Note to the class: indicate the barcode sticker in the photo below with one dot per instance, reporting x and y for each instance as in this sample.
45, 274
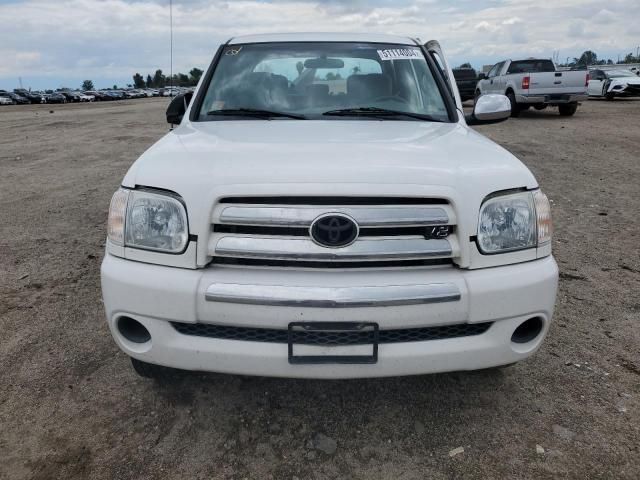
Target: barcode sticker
399, 54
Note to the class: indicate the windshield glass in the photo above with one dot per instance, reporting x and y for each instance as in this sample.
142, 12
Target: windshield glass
312, 78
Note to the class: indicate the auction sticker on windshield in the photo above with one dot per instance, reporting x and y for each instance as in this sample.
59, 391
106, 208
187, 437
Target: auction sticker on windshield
399, 54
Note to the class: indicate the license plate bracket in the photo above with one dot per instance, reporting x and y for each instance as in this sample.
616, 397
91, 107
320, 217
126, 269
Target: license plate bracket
297, 331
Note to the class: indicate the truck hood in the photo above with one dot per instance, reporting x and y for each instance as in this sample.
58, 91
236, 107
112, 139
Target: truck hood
198, 157
625, 81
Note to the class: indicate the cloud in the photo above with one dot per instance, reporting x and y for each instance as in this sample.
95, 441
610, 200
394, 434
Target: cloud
604, 17
48, 42
512, 21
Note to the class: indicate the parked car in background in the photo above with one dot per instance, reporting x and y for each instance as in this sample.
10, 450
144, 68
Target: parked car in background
55, 97
18, 99
535, 83
33, 97
399, 242
98, 95
170, 91
117, 94
466, 80
70, 96
86, 97
5, 99
613, 83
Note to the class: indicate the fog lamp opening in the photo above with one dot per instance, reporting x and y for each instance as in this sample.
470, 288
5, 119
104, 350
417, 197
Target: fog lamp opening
528, 330
133, 330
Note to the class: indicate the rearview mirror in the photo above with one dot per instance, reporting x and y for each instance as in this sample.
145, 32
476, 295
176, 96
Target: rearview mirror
178, 107
489, 108
323, 63
481, 76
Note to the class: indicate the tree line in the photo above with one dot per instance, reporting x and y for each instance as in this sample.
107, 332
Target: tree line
160, 80
590, 57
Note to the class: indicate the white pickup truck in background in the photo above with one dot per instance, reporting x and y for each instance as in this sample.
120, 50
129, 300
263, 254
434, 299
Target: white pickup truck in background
535, 83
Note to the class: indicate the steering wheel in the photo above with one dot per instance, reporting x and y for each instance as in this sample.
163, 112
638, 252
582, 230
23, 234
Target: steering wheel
391, 97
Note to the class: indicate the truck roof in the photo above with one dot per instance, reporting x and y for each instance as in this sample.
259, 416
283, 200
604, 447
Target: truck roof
322, 37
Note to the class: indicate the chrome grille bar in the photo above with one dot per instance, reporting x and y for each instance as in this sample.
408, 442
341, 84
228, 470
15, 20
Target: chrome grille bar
332, 297
287, 248
304, 216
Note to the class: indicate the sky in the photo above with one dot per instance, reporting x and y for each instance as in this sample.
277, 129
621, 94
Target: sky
56, 43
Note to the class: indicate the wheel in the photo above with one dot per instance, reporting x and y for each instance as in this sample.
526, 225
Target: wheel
609, 96
568, 110
149, 370
515, 109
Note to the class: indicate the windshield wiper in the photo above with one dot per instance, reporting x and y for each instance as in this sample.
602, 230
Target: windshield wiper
254, 112
378, 112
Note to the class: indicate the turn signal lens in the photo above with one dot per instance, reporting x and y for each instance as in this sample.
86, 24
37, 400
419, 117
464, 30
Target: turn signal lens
543, 214
117, 212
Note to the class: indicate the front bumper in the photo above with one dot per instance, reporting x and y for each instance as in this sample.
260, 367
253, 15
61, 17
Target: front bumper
156, 295
552, 99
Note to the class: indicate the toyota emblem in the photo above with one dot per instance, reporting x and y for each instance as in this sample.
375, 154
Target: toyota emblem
334, 230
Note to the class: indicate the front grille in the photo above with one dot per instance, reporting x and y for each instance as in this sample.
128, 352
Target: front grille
331, 338
319, 200
426, 232
255, 262
392, 231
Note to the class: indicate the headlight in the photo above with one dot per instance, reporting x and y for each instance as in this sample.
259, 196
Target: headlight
146, 220
514, 222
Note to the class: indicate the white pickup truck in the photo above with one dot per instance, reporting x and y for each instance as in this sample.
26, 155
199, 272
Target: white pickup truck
535, 83
323, 210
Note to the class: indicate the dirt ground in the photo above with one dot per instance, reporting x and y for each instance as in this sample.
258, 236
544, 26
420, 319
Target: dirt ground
72, 407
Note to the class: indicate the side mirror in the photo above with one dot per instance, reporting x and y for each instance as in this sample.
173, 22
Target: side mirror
481, 76
489, 108
178, 107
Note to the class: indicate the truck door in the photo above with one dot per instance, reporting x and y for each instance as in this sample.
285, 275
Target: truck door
500, 82
596, 83
492, 79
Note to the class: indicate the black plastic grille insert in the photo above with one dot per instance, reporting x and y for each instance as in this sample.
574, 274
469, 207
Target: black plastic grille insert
316, 337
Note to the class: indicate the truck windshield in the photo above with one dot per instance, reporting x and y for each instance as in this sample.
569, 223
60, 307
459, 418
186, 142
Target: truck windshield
314, 80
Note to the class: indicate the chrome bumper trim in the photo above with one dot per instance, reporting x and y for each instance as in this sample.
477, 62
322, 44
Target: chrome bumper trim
304, 216
332, 297
305, 249
577, 97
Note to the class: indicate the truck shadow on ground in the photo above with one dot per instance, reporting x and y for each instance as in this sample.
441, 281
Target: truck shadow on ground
381, 418
353, 402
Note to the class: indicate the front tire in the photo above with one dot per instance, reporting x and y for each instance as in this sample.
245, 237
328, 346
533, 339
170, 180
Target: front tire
568, 110
515, 109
